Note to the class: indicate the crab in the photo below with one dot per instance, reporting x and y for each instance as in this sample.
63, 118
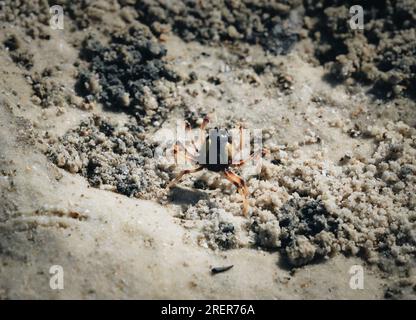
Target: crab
216, 157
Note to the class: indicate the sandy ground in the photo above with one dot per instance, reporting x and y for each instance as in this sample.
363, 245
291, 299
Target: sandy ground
116, 247
155, 244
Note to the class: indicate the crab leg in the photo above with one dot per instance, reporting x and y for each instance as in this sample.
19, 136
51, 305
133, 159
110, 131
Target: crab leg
188, 155
241, 187
240, 150
202, 132
189, 133
181, 174
251, 157
238, 154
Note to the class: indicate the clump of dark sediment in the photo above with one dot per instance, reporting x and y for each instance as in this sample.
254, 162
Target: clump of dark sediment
32, 16
382, 55
271, 24
110, 156
21, 56
278, 74
307, 231
129, 75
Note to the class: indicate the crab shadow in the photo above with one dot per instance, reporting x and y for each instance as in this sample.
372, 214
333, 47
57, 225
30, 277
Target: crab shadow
284, 263
185, 197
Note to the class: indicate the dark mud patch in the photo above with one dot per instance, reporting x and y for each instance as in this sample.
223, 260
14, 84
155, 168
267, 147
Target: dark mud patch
383, 55
109, 156
32, 16
19, 52
129, 75
304, 232
271, 24
307, 231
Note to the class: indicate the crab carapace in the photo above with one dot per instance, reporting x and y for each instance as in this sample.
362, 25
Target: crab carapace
214, 152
